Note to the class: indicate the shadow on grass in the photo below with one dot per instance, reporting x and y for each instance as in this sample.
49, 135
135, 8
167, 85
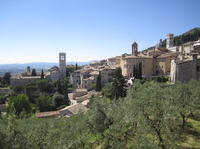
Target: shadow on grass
188, 131
181, 147
193, 132
196, 117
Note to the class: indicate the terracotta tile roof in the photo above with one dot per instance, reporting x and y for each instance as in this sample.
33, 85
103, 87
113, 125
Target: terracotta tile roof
171, 54
54, 68
74, 109
138, 57
47, 114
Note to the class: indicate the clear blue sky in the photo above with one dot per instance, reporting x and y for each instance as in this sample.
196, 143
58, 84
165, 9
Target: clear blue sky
36, 30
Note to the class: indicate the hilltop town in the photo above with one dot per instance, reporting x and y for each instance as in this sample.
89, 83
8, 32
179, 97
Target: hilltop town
169, 62
99, 74
159, 61
154, 85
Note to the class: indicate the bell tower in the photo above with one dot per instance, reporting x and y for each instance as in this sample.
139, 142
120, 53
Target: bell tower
62, 65
170, 41
134, 49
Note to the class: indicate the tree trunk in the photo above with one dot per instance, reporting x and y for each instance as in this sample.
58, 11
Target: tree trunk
160, 139
183, 121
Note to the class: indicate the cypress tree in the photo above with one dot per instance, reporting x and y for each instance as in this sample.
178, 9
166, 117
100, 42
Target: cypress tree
65, 92
42, 74
134, 71
98, 82
140, 71
6, 78
59, 87
33, 73
76, 66
137, 71
119, 84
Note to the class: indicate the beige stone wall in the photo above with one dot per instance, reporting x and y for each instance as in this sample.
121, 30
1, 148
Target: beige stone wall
163, 66
147, 67
55, 75
127, 65
122, 66
75, 78
106, 76
187, 48
88, 83
185, 71
79, 93
173, 71
23, 81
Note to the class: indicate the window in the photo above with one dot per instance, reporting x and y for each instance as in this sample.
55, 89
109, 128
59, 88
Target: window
198, 68
62, 57
157, 72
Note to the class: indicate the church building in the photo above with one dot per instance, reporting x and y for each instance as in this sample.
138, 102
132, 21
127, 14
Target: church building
55, 73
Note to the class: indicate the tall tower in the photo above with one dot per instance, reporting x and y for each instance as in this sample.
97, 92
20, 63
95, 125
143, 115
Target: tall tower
134, 49
170, 40
62, 65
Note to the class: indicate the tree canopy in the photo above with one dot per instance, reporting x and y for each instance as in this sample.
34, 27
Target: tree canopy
19, 104
33, 73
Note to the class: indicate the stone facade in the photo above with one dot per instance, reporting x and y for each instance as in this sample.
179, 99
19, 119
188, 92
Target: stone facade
20, 80
87, 76
62, 65
134, 49
106, 75
128, 63
170, 40
156, 62
75, 78
163, 63
55, 73
185, 70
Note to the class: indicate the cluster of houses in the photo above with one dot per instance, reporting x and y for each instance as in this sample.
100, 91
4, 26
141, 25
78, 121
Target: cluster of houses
179, 63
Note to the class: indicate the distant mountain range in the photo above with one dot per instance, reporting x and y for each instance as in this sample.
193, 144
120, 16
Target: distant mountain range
44, 65
18, 68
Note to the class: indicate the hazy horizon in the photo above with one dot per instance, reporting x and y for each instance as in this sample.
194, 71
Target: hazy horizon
46, 62
36, 31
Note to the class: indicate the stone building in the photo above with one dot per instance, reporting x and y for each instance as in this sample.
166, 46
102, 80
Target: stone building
87, 76
106, 75
114, 61
186, 69
155, 62
62, 65
170, 41
55, 73
134, 49
163, 63
75, 78
186, 65
130, 62
19, 80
